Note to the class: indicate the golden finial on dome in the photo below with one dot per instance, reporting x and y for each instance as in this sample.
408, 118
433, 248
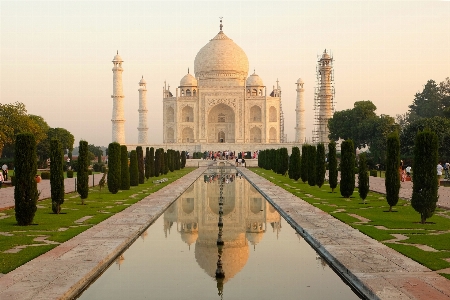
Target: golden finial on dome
221, 26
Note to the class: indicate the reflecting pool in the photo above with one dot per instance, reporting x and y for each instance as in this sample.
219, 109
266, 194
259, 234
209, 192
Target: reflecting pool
178, 256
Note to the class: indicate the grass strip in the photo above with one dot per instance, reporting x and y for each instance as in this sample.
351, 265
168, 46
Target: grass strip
381, 224
100, 205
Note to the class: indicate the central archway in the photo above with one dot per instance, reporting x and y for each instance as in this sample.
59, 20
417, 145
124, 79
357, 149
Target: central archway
221, 124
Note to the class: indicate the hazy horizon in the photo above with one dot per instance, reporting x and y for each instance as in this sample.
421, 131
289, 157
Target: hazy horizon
56, 56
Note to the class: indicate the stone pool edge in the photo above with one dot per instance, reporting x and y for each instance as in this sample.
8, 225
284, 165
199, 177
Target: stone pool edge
65, 271
373, 269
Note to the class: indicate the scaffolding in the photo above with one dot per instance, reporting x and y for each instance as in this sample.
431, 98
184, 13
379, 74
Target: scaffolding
324, 95
282, 136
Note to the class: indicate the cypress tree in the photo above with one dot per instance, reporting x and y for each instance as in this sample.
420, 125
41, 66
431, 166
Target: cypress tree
283, 161
25, 190
166, 163
140, 161
425, 185
347, 184
183, 159
171, 159
56, 175
320, 165
115, 167
157, 162
162, 161
363, 177
178, 160
332, 165
147, 163
312, 165
152, 162
392, 180
294, 164
272, 160
134, 169
83, 171
124, 168
304, 163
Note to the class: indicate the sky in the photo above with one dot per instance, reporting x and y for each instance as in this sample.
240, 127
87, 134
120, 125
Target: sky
55, 56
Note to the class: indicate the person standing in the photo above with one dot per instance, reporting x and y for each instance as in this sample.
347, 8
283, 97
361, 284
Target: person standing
1, 179
439, 169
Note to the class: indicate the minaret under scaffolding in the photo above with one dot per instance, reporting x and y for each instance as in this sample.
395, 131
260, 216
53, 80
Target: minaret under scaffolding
323, 98
118, 119
300, 113
143, 129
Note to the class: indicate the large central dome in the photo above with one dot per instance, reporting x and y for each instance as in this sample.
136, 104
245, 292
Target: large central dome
221, 58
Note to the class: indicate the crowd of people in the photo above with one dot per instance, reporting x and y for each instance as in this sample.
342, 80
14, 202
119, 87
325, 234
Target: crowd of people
228, 178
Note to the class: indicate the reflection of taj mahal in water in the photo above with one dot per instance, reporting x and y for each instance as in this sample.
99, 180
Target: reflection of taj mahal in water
246, 217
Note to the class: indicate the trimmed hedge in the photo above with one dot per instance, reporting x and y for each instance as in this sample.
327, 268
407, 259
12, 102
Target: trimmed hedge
347, 185
25, 191
83, 171
45, 174
320, 165
124, 169
134, 169
56, 175
140, 161
392, 180
115, 167
69, 174
332, 165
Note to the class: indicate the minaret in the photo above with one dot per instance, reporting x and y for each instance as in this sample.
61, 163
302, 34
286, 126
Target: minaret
325, 97
142, 136
118, 120
300, 113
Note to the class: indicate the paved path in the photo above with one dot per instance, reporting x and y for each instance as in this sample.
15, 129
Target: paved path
64, 271
7, 194
377, 270
377, 185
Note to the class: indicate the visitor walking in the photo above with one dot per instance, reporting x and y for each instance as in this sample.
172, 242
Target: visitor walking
446, 166
439, 169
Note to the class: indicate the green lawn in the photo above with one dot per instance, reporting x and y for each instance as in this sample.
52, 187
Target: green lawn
382, 224
60, 228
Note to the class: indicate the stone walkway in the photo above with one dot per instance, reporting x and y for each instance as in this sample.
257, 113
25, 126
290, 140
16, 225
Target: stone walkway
377, 185
7, 194
64, 271
373, 268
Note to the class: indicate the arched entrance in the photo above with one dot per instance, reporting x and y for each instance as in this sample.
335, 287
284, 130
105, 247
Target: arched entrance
221, 137
221, 124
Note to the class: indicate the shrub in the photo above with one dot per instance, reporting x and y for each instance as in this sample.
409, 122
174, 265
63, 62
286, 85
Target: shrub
157, 162
178, 160
98, 166
152, 162
56, 175
294, 164
347, 185
134, 169
45, 175
166, 163
332, 165
311, 165
147, 163
124, 169
283, 161
320, 165
114, 167
140, 161
373, 173
83, 172
425, 185
171, 159
104, 169
69, 174
304, 163
363, 177
183, 159
25, 191
90, 172
392, 180
13, 180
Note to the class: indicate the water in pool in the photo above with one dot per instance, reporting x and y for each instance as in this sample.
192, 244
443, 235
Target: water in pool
177, 256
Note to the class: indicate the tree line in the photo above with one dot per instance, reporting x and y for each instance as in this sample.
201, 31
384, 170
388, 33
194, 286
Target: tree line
311, 163
122, 173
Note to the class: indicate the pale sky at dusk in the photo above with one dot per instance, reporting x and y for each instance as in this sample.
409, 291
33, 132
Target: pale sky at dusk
56, 55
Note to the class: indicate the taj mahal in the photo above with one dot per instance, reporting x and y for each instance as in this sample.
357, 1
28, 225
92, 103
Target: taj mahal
220, 106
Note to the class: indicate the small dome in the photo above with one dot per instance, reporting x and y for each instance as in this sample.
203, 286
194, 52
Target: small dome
325, 55
189, 237
254, 80
254, 237
188, 80
142, 81
117, 58
300, 80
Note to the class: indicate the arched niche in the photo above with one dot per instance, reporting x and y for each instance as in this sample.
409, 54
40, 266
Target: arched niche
187, 135
187, 114
255, 135
255, 114
170, 114
221, 118
272, 114
170, 137
272, 135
